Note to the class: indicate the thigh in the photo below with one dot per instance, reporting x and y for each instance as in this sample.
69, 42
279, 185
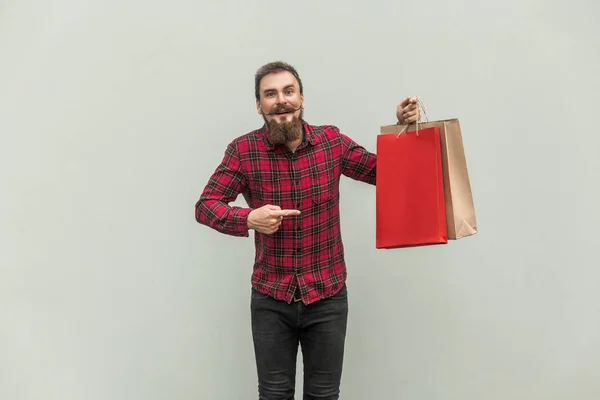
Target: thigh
322, 336
275, 346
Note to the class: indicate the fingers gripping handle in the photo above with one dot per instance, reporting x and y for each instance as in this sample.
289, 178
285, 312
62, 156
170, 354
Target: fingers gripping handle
422, 106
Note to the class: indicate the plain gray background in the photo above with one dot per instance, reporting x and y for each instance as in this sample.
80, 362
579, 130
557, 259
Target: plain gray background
113, 114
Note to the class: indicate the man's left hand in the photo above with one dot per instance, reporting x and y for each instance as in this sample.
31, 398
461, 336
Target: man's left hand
408, 111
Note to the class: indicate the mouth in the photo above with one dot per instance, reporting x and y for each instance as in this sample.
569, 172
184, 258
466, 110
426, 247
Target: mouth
282, 112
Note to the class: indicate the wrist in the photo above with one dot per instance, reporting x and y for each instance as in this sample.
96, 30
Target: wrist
249, 223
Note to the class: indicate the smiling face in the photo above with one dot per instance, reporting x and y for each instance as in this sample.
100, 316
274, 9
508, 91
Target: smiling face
280, 98
281, 104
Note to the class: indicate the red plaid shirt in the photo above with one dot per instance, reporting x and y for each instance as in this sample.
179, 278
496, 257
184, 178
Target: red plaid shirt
307, 250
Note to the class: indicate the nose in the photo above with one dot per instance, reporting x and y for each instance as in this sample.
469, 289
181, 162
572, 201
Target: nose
281, 98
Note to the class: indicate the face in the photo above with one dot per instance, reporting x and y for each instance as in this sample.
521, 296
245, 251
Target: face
279, 95
281, 106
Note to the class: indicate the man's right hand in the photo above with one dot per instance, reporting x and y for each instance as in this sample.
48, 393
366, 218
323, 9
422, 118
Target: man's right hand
267, 219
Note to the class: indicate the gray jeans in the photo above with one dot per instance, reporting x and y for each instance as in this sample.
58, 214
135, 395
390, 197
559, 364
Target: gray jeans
320, 329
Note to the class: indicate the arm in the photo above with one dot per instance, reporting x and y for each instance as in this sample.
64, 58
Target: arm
357, 162
360, 164
223, 187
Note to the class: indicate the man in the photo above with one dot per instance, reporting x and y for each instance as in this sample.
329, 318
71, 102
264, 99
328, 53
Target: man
288, 172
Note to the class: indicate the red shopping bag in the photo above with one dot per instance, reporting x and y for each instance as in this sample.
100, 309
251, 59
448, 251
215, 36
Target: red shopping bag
410, 206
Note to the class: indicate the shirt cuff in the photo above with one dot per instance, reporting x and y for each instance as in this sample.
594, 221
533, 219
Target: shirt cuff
240, 220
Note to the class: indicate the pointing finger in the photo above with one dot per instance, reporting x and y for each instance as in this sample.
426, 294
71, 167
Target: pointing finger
285, 212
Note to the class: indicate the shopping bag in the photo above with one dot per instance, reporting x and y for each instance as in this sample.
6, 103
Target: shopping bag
460, 210
410, 205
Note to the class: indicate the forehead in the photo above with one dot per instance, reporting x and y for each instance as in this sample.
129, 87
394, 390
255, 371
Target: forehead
278, 81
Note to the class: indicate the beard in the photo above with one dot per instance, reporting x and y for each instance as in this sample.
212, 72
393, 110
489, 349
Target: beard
284, 131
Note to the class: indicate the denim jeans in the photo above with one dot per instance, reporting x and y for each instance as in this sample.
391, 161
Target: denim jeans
320, 329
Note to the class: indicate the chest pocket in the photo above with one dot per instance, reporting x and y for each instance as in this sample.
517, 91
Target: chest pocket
266, 187
323, 182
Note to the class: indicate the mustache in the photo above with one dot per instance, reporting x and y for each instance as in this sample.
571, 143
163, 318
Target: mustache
283, 109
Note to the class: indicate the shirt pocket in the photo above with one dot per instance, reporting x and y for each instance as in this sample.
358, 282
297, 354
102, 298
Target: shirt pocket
323, 183
265, 188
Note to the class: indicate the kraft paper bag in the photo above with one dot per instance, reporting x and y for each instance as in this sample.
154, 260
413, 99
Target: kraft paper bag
460, 210
410, 206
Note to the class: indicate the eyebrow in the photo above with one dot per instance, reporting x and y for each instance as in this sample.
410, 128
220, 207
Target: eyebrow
291, 85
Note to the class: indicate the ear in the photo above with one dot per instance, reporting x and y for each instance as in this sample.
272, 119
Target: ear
258, 106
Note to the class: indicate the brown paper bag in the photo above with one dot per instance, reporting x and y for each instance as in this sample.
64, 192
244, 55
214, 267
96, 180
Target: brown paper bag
460, 210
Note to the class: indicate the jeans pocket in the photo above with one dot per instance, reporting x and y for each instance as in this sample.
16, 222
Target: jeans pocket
256, 295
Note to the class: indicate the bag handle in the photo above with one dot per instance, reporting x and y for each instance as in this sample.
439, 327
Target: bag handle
419, 103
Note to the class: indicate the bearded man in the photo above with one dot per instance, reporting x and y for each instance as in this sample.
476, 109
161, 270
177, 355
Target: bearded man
288, 172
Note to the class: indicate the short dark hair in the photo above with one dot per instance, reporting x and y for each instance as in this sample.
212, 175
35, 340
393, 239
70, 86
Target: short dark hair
273, 67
